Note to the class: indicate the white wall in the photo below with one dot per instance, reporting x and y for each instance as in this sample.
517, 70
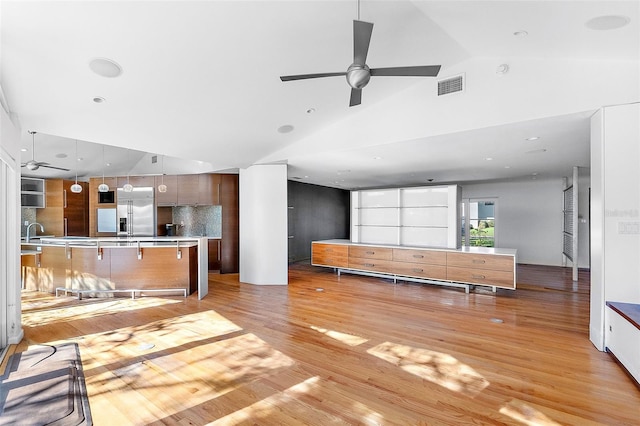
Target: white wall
263, 224
529, 217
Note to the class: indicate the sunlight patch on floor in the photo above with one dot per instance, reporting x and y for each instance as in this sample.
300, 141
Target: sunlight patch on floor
348, 339
35, 313
165, 334
436, 367
197, 357
520, 411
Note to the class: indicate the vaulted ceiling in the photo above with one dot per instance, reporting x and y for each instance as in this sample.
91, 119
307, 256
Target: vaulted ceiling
200, 83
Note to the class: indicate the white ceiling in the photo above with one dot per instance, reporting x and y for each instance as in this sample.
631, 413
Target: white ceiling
200, 82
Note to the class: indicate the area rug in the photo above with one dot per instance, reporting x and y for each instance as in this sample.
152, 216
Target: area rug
45, 386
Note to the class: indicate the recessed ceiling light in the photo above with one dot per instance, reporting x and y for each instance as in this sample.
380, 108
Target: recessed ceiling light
489, 159
24, 149
507, 167
306, 177
80, 159
108, 164
534, 174
99, 99
377, 158
105, 67
533, 138
311, 110
287, 128
521, 33
537, 151
61, 155
607, 22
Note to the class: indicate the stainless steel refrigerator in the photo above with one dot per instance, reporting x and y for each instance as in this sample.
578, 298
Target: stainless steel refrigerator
136, 212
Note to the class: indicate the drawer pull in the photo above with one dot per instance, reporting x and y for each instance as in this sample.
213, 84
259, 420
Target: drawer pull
418, 256
371, 252
369, 265
478, 277
418, 270
481, 261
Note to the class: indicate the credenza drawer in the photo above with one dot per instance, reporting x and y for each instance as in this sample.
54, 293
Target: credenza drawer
373, 265
481, 276
330, 255
481, 261
382, 253
420, 270
431, 257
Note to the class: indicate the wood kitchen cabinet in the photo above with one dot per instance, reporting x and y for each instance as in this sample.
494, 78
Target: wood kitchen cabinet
188, 190
169, 198
66, 213
214, 255
209, 189
198, 190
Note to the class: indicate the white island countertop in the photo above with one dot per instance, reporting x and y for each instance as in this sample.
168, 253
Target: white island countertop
464, 249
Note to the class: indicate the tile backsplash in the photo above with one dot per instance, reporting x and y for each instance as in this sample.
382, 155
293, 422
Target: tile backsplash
28, 214
198, 220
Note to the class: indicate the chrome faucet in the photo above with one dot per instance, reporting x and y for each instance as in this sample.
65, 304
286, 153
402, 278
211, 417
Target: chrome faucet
29, 230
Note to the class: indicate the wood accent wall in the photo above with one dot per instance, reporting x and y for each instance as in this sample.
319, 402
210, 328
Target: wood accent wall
230, 245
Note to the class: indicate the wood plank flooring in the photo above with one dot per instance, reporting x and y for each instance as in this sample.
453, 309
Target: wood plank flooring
329, 350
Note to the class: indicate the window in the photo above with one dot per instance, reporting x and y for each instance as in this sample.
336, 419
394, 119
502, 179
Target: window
479, 222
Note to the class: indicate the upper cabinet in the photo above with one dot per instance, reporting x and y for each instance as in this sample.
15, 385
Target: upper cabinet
66, 213
170, 197
32, 193
188, 190
198, 190
209, 189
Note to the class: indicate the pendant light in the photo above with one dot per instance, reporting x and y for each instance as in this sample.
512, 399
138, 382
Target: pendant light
103, 187
127, 187
75, 188
162, 187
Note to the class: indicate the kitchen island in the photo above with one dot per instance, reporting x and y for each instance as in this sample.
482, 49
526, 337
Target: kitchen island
108, 266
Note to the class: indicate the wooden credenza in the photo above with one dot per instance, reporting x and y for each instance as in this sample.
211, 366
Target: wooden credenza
482, 266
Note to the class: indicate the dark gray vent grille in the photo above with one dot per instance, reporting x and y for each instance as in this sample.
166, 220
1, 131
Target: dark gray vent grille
450, 85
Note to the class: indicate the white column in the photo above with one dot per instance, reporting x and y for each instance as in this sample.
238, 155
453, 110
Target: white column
263, 225
615, 213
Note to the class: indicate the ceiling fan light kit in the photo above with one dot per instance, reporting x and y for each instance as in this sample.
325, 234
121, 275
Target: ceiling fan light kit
358, 74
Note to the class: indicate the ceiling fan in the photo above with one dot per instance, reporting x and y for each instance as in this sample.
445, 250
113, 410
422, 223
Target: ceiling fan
34, 165
358, 73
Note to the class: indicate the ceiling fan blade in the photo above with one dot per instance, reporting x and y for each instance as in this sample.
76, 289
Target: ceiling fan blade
361, 38
417, 71
52, 167
305, 76
356, 97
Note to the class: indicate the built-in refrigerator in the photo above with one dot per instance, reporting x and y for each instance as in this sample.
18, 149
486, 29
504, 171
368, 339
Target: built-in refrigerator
136, 212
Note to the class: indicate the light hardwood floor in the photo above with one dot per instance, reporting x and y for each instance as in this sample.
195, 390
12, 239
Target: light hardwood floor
361, 351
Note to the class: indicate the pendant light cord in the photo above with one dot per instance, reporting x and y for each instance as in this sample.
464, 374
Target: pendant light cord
76, 161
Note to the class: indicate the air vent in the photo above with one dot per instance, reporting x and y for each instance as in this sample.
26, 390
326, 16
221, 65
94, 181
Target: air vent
451, 85
154, 159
